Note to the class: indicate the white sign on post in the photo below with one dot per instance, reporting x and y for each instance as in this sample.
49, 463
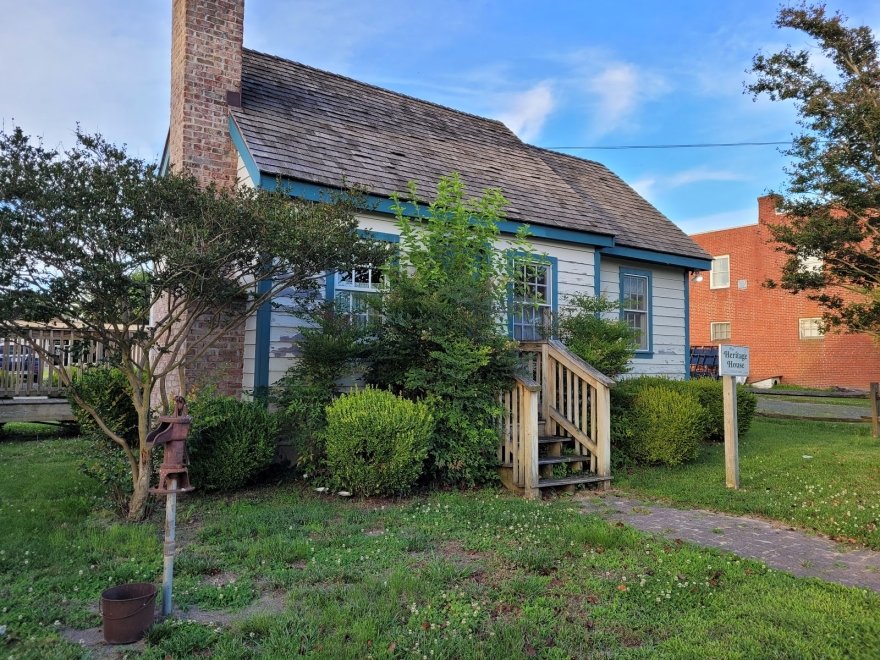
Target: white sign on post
733, 360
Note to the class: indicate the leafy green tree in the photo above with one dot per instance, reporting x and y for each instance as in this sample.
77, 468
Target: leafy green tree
442, 337
79, 228
833, 192
607, 344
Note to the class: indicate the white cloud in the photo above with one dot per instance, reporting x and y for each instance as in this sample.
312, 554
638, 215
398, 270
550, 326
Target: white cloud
619, 90
528, 111
648, 185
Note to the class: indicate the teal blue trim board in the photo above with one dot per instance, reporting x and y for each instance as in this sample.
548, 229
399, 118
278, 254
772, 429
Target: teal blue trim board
647, 353
262, 340
246, 157
650, 256
687, 324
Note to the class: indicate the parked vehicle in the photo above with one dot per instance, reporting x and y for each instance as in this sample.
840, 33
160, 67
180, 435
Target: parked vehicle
20, 360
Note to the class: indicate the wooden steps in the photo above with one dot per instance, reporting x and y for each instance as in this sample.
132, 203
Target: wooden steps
555, 460
551, 448
573, 480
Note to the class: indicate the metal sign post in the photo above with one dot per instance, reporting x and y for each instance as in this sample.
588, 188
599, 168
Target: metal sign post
733, 361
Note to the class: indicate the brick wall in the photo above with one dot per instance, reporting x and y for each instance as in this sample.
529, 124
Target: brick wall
206, 45
766, 319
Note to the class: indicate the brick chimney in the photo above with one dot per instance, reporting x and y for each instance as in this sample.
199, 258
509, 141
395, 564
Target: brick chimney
767, 210
206, 45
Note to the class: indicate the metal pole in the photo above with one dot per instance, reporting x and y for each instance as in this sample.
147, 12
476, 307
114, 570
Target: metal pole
170, 547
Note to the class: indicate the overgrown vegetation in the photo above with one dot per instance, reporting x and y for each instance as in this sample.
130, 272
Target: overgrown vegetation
606, 344
376, 442
465, 575
107, 391
440, 338
330, 349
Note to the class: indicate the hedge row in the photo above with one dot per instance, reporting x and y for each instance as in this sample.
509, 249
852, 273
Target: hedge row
660, 421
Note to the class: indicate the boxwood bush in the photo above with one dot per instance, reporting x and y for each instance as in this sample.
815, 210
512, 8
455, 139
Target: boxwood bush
376, 442
664, 426
230, 442
640, 406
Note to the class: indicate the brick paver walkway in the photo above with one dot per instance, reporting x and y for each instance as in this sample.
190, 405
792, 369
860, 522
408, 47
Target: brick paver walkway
780, 547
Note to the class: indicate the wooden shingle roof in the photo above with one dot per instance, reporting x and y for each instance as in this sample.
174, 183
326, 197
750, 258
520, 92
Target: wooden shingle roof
323, 128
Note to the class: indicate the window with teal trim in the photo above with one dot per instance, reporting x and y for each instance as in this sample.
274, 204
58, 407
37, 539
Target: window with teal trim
353, 290
532, 299
635, 305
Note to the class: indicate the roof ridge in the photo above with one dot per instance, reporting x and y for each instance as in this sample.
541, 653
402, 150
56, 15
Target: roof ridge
572, 156
361, 83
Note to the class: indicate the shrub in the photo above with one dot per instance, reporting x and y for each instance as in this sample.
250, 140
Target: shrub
709, 392
330, 350
606, 344
230, 441
668, 428
440, 339
377, 442
108, 391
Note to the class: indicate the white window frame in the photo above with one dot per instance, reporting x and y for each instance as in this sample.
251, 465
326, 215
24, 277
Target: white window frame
713, 273
714, 336
527, 313
810, 328
346, 290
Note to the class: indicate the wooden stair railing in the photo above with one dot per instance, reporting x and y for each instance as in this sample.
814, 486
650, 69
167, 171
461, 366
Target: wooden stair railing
573, 404
519, 434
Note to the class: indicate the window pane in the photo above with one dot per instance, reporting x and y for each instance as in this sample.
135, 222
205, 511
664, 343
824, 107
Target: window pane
635, 293
531, 295
719, 331
719, 276
638, 321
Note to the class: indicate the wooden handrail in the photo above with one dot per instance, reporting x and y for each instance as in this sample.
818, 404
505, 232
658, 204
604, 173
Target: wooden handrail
527, 382
576, 364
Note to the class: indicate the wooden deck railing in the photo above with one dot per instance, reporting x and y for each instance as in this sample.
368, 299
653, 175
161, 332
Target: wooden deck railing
28, 370
572, 400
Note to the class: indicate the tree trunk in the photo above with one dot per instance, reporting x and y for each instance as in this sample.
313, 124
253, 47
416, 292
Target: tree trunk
137, 506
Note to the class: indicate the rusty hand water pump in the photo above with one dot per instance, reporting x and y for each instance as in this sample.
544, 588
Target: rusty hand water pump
172, 433
173, 479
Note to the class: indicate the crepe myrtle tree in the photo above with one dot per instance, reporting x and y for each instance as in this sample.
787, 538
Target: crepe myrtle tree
94, 238
833, 191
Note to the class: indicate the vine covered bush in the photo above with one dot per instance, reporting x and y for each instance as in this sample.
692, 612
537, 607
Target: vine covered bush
376, 442
658, 425
331, 349
639, 404
440, 339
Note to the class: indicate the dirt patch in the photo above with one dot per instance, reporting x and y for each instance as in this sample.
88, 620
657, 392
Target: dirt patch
455, 552
221, 579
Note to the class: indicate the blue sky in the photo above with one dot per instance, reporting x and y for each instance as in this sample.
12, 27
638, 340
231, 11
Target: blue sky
560, 74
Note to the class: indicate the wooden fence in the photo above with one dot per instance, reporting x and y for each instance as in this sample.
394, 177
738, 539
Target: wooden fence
33, 367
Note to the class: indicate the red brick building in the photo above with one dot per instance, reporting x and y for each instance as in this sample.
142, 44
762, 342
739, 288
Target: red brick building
732, 306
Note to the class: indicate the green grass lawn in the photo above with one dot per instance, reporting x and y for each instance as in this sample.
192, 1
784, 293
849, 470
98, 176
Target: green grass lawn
448, 575
818, 475
823, 400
